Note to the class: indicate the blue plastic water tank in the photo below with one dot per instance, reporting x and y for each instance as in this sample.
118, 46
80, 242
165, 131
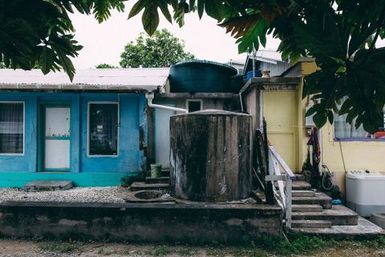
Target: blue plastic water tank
249, 74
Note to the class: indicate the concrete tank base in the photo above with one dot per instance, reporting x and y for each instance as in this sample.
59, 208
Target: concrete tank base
140, 222
210, 156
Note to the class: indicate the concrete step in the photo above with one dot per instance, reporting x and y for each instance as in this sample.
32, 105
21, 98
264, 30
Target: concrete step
301, 185
311, 224
363, 230
319, 198
164, 180
48, 185
306, 208
338, 215
136, 186
165, 172
299, 177
303, 193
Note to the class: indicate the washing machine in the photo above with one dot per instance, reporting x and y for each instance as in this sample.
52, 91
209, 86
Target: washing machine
365, 192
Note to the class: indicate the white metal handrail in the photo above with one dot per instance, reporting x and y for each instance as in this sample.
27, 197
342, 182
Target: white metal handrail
281, 176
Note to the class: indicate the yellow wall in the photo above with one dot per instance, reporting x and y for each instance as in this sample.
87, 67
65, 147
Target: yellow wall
281, 114
284, 111
358, 155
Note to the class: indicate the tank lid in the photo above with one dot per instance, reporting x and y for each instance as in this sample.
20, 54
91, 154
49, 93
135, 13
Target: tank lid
214, 112
362, 175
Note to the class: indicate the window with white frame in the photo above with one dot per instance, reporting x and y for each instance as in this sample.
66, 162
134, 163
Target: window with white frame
103, 123
11, 127
345, 131
194, 105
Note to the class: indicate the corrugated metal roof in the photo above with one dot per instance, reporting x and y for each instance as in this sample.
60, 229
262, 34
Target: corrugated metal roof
132, 79
269, 56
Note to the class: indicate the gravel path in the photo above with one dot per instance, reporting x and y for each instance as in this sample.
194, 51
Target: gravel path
80, 194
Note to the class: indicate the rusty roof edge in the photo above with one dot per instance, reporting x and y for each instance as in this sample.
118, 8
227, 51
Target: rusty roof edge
266, 82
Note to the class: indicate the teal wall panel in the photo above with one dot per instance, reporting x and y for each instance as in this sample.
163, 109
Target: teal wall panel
109, 170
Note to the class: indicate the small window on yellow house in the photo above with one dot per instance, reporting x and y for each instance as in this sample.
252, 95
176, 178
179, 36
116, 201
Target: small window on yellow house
345, 131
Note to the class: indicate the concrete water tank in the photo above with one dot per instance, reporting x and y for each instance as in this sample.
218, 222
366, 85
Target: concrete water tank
210, 156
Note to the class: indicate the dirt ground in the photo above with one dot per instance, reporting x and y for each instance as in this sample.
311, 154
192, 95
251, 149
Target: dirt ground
18, 248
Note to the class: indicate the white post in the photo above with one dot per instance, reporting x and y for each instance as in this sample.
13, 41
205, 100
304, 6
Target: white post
288, 201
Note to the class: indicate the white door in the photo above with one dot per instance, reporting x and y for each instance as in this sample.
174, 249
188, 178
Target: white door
57, 138
162, 136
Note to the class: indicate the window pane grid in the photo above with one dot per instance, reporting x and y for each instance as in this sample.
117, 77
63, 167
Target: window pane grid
103, 129
11, 128
344, 130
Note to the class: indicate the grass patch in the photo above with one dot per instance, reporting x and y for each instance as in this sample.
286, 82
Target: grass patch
58, 247
298, 244
186, 251
160, 250
163, 250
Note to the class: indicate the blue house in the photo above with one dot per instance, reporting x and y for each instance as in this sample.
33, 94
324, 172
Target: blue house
92, 131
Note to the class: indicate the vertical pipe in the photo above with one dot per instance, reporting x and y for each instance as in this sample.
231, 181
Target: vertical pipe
253, 61
269, 185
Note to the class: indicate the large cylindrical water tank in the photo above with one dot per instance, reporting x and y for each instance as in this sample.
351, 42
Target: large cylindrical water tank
210, 156
202, 76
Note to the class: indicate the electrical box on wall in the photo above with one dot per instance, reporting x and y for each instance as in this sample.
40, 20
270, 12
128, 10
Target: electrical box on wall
309, 123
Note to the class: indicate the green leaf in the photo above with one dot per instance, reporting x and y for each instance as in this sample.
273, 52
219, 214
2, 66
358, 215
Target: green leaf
201, 8
138, 6
150, 20
319, 119
311, 111
164, 8
346, 106
330, 117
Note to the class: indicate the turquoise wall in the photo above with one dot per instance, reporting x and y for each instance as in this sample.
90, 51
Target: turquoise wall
15, 171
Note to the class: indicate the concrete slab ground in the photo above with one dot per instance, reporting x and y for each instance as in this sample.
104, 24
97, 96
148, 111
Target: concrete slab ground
363, 230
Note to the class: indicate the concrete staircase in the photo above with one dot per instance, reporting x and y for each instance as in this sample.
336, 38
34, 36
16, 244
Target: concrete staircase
314, 210
160, 183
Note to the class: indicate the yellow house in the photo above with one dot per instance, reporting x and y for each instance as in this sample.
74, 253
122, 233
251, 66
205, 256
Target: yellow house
279, 100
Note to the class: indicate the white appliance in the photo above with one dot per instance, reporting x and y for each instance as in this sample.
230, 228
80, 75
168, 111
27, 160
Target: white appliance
365, 192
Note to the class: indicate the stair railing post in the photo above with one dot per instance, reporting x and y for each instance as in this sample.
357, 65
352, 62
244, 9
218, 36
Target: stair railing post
288, 193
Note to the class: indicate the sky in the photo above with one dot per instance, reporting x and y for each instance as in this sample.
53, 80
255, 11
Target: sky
103, 43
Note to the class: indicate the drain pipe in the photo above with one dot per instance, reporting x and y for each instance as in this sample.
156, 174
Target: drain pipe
150, 97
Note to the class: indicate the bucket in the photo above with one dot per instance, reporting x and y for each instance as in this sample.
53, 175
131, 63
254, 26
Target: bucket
156, 170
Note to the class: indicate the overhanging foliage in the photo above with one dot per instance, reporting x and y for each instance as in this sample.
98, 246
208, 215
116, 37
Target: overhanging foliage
39, 33
339, 34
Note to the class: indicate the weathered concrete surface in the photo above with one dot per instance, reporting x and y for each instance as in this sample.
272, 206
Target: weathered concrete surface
338, 215
210, 155
152, 222
48, 185
363, 230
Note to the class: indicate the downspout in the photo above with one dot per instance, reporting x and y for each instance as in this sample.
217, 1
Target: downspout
150, 97
241, 101
254, 68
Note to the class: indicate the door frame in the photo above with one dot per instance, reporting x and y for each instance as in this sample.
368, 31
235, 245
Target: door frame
41, 135
156, 130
